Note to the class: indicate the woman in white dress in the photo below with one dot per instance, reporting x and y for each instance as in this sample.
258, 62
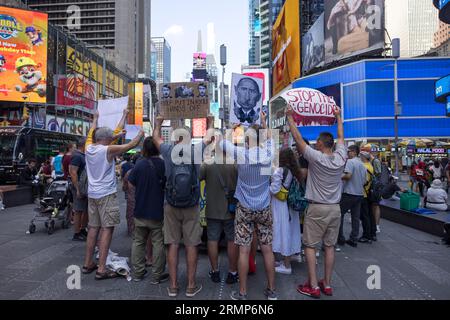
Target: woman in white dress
286, 223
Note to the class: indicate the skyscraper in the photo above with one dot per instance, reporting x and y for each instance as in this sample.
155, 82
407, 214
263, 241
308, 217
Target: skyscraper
269, 10
415, 26
442, 35
254, 53
122, 27
163, 60
310, 11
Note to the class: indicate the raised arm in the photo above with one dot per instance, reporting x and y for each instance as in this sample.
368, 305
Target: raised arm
210, 126
122, 121
340, 123
90, 137
157, 132
264, 125
114, 151
298, 138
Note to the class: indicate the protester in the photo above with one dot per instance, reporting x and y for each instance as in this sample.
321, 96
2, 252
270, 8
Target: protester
182, 211
103, 207
67, 158
324, 191
253, 209
148, 179
221, 180
126, 165
80, 201
129, 191
354, 180
286, 223
437, 170
437, 198
375, 197
367, 219
29, 177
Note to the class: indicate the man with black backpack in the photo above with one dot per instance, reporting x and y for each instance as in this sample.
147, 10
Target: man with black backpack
182, 211
77, 171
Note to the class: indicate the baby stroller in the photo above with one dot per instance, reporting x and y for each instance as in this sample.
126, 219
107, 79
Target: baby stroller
55, 206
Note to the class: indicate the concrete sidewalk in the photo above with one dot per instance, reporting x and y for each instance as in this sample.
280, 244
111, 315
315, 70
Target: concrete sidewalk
413, 265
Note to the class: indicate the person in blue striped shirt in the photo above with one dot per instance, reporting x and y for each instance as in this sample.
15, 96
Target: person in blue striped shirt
253, 209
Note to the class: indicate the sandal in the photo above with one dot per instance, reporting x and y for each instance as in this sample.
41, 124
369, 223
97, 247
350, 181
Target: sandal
87, 270
107, 275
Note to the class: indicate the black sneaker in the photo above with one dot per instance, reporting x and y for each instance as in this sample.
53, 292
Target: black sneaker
374, 239
215, 276
365, 240
140, 278
352, 243
232, 278
84, 232
79, 237
341, 243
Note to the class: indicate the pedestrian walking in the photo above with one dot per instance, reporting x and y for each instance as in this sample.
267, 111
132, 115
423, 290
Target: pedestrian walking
182, 211
103, 207
354, 180
148, 179
253, 211
324, 191
286, 223
221, 179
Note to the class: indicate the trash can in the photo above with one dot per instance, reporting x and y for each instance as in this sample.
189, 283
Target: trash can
409, 201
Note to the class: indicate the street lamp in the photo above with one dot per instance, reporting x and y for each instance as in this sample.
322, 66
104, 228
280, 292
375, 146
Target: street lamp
397, 106
223, 62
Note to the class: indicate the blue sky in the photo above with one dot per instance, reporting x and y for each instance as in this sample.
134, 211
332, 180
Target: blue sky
180, 20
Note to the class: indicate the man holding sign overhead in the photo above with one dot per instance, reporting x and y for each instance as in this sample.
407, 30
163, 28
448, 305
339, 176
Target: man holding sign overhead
323, 191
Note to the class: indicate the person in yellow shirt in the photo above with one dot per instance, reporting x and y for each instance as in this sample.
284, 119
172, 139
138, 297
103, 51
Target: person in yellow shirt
118, 132
367, 218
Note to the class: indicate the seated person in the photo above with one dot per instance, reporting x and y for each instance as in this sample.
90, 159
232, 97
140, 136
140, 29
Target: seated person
28, 178
389, 191
437, 197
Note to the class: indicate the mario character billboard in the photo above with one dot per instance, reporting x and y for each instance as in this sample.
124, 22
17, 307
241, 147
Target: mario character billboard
23, 55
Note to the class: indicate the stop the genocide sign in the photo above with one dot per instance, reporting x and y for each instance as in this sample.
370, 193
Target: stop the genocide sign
311, 107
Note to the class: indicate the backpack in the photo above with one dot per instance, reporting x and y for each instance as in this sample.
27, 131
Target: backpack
385, 174
183, 187
376, 188
83, 183
296, 198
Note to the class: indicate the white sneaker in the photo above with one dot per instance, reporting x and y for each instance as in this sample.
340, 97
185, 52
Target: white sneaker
378, 229
282, 269
298, 258
338, 249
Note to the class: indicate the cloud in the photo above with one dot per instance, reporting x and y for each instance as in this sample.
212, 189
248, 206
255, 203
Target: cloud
174, 30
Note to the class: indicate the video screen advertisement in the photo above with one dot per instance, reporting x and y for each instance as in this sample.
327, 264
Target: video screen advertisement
313, 50
353, 28
286, 54
23, 55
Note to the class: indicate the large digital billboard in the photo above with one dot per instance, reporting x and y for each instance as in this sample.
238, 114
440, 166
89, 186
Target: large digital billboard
313, 50
286, 52
353, 28
199, 61
23, 55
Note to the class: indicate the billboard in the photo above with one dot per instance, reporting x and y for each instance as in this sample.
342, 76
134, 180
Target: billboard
246, 95
67, 125
313, 50
286, 52
184, 100
199, 61
353, 28
23, 55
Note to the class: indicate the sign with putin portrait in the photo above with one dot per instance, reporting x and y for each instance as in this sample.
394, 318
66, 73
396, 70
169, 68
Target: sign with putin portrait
23, 55
311, 107
184, 100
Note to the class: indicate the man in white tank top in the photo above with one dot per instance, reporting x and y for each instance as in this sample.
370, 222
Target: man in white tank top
103, 208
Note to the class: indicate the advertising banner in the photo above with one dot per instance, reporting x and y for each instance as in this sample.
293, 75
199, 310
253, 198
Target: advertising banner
199, 60
69, 125
313, 50
138, 103
76, 90
23, 55
311, 107
184, 100
246, 97
353, 28
286, 52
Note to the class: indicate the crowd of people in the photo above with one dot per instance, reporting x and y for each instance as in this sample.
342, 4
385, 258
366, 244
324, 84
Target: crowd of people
289, 210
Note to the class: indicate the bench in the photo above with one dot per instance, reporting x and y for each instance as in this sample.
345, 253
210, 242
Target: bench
15, 196
432, 224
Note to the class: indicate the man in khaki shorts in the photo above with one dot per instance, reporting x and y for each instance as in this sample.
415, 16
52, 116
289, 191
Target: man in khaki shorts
324, 191
103, 206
